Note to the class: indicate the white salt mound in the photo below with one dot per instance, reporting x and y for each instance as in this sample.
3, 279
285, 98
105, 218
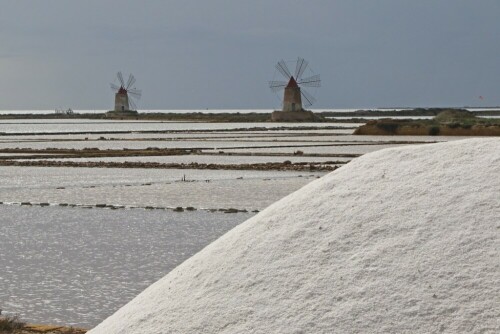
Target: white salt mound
403, 240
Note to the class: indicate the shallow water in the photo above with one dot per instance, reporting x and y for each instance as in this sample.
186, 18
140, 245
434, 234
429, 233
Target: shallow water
211, 159
26, 126
243, 189
77, 266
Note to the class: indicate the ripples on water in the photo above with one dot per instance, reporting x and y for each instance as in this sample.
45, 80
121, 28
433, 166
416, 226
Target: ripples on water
76, 266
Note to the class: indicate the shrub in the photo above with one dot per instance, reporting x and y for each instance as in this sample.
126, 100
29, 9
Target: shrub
450, 115
467, 126
10, 323
434, 131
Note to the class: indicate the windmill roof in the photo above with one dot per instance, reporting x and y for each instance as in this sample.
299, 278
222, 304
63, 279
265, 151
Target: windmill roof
292, 83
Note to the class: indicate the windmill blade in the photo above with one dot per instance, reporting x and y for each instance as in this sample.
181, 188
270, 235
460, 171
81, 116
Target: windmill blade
309, 99
300, 67
135, 93
132, 104
283, 69
277, 85
130, 81
120, 77
114, 87
312, 81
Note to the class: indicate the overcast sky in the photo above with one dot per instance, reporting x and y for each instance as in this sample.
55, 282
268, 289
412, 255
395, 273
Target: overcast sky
221, 54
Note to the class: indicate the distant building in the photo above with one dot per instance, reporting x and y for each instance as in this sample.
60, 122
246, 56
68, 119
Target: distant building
292, 110
291, 98
121, 100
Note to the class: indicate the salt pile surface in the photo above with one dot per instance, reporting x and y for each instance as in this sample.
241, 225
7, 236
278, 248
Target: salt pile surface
402, 240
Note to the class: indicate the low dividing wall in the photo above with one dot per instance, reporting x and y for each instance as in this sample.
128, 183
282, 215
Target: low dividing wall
294, 116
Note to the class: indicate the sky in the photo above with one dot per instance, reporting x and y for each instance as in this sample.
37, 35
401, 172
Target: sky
221, 54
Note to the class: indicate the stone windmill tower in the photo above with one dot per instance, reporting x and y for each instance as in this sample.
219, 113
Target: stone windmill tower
124, 94
291, 98
295, 97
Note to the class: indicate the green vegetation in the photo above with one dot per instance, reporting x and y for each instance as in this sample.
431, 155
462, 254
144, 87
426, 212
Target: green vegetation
405, 112
457, 115
448, 122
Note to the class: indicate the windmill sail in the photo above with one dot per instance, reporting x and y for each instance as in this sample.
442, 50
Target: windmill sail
130, 81
120, 77
277, 85
283, 69
312, 81
136, 93
114, 87
300, 67
308, 98
133, 105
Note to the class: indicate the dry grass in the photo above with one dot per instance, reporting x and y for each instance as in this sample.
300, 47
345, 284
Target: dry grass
8, 324
48, 329
13, 325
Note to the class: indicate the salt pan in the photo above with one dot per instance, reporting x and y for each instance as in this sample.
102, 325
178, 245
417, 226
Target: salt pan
402, 240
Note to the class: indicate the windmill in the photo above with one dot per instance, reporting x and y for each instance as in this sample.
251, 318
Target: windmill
295, 96
123, 92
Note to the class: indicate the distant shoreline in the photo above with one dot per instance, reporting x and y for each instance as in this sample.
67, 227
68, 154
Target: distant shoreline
247, 117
